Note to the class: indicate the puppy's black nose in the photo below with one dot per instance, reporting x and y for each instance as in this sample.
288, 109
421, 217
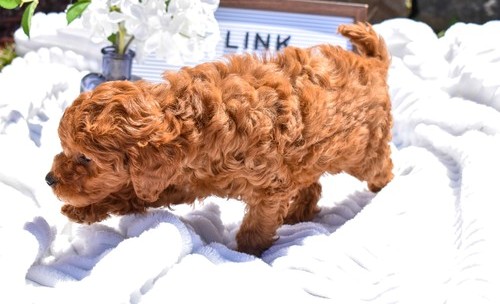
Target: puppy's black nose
50, 179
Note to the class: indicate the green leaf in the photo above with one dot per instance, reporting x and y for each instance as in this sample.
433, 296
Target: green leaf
10, 4
112, 38
26, 19
76, 10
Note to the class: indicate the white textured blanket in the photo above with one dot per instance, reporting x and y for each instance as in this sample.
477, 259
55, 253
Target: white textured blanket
430, 236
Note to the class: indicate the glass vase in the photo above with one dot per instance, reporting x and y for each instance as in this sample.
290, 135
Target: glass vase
114, 67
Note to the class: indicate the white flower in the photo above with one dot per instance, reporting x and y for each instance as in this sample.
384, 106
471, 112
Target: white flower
142, 19
191, 18
193, 28
101, 22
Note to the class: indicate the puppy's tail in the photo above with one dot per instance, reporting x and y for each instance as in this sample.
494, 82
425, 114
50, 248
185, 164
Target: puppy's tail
367, 42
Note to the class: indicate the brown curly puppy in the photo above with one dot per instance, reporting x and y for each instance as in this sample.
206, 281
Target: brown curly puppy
259, 128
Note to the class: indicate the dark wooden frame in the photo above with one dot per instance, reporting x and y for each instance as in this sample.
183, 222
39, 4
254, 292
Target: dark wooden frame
359, 12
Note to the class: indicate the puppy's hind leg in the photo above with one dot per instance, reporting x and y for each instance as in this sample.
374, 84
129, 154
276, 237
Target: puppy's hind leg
382, 177
258, 229
304, 205
376, 172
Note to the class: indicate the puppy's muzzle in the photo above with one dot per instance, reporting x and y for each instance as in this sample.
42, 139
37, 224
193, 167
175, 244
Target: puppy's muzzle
50, 179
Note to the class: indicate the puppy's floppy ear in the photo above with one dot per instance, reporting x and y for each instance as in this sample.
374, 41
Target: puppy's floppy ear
153, 154
152, 169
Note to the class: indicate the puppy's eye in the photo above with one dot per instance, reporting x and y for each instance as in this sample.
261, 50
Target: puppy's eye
84, 160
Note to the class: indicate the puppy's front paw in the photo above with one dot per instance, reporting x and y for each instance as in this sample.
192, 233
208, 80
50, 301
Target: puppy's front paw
83, 214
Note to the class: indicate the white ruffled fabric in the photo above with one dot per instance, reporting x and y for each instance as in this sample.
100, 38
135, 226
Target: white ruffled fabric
430, 236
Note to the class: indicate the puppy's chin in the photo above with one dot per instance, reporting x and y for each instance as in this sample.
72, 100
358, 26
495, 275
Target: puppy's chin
78, 202
75, 200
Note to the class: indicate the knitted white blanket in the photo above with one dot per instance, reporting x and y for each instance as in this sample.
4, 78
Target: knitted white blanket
430, 236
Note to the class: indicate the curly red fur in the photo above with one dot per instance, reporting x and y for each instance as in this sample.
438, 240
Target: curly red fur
259, 128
